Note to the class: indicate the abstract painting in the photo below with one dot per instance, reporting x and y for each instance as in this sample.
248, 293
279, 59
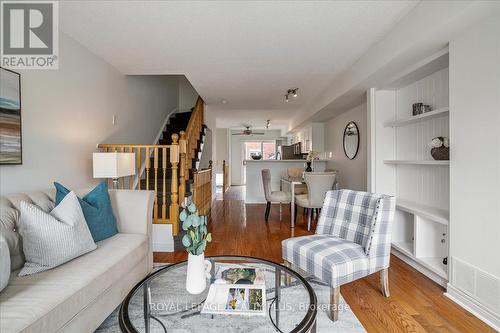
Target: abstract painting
10, 117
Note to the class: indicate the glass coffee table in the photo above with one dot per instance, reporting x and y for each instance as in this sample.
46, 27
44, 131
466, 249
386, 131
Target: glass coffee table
160, 302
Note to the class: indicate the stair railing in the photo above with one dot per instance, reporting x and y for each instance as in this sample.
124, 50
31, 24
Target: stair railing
225, 176
202, 189
192, 136
143, 154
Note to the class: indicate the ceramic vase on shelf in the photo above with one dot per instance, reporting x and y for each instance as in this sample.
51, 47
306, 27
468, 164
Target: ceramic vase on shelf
198, 271
441, 153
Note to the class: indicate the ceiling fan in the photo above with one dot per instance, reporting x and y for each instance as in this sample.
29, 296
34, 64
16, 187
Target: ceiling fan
248, 131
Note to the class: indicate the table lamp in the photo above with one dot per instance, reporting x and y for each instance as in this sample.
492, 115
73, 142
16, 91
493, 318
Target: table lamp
113, 165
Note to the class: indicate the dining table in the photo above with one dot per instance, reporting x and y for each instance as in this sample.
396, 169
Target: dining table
290, 183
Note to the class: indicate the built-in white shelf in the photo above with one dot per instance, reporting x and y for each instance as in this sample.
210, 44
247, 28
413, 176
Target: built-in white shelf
431, 213
401, 163
417, 162
442, 112
405, 247
435, 265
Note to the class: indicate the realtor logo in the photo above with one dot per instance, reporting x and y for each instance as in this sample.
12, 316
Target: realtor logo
29, 34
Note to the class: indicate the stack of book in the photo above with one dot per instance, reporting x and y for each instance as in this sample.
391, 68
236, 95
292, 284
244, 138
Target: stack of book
237, 290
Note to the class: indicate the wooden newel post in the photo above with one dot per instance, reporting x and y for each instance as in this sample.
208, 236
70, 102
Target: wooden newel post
174, 186
182, 168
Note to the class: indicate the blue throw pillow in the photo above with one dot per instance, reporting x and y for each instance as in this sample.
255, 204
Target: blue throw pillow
97, 210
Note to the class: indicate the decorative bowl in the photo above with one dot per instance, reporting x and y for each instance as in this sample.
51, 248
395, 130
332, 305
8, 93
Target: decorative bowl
256, 156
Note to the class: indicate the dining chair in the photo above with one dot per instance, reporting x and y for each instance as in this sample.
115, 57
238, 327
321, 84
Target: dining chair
273, 196
318, 183
297, 173
352, 240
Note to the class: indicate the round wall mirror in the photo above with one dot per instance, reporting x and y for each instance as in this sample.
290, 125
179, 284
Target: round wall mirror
351, 140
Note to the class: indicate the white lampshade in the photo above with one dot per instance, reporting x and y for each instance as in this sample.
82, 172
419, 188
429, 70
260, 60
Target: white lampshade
113, 165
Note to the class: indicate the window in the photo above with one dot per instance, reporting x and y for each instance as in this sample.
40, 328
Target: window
266, 148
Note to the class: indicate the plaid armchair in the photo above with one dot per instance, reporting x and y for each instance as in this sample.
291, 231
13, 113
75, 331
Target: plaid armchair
352, 240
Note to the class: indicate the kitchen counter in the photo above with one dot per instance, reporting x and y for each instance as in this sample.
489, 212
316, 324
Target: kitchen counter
278, 168
303, 161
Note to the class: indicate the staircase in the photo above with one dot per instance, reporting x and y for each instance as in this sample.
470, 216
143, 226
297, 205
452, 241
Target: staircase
171, 167
177, 123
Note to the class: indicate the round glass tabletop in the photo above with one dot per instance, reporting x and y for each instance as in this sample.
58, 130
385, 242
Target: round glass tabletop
160, 302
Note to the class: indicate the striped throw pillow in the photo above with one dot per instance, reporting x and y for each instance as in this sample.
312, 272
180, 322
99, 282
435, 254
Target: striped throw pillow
51, 239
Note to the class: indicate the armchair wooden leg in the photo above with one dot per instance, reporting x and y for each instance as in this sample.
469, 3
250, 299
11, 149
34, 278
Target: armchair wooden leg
288, 277
334, 303
384, 282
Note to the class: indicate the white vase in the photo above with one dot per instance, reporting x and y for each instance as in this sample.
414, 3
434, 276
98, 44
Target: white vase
198, 271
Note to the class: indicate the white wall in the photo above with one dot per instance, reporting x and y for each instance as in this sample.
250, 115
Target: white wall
187, 94
67, 112
352, 173
236, 150
222, 148
475, 163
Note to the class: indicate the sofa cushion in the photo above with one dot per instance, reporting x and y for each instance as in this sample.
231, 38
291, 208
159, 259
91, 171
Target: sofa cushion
44, 302
51, 239
9, 220
4, 263
331, 259
96, 206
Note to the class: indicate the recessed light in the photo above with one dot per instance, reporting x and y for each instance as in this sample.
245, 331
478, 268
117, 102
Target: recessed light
223, 101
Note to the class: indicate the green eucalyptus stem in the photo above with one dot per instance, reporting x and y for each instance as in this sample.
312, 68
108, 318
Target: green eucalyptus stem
197, 236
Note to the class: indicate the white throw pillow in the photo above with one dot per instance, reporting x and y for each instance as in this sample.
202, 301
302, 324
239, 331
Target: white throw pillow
4, 263
50, 240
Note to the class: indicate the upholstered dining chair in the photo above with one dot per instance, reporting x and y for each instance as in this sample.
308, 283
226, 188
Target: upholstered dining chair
318, 183
297, 173
352, 240
273, 196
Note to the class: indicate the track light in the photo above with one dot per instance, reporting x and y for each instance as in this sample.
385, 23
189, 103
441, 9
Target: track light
293, 92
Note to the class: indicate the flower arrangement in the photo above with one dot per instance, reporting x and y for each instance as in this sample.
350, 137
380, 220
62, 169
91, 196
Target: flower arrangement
312, 155
440, 141
197, 236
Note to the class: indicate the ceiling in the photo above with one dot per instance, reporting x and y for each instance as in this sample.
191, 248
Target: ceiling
246, 52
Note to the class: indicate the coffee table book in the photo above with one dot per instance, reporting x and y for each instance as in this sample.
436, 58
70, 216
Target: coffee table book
237, 290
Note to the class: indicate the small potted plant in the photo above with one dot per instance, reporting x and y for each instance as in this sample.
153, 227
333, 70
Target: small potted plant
440, 148
195, 240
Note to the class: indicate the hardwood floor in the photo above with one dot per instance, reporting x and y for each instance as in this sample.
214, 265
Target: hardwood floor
416, 303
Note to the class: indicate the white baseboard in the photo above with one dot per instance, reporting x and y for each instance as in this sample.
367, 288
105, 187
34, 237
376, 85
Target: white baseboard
473, 306
163, 241
422, 269
163, 247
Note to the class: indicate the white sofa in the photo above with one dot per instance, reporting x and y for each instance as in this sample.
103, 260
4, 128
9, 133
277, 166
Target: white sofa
79, 295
